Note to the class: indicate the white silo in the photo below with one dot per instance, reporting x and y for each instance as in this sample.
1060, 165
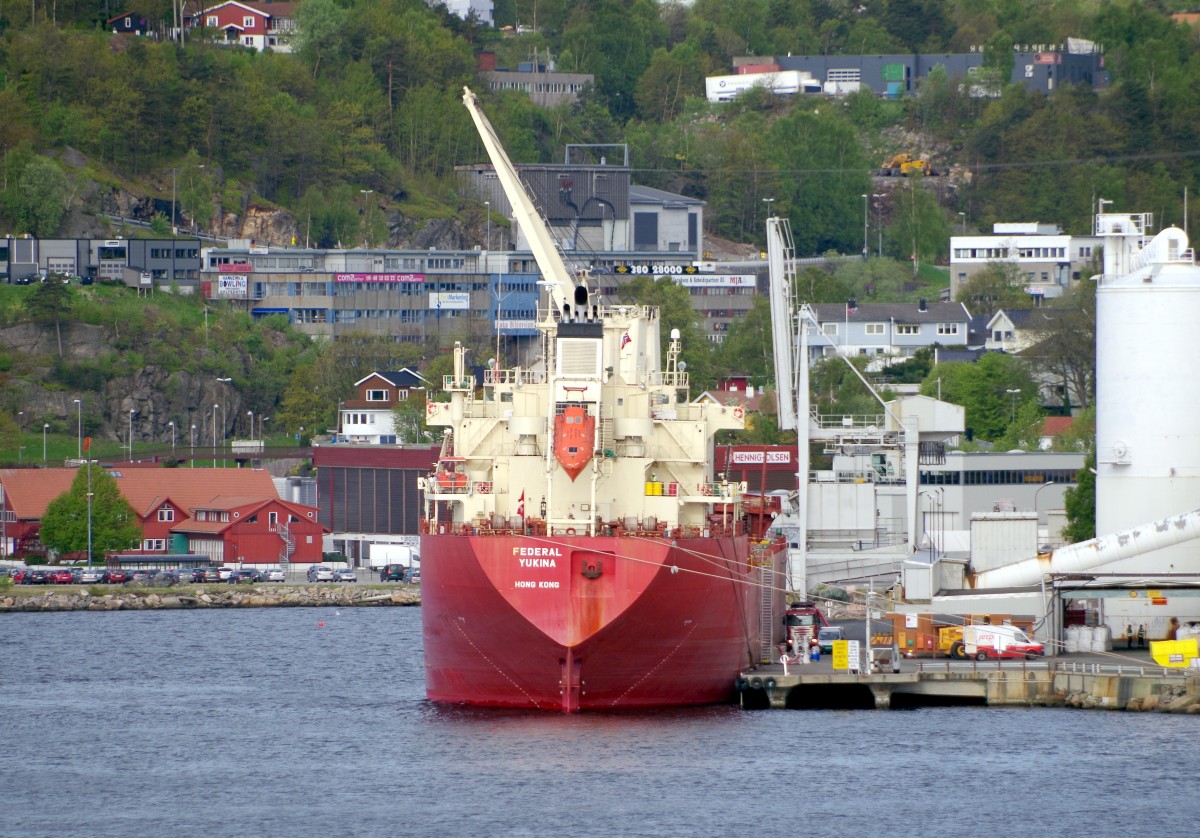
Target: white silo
1147, 385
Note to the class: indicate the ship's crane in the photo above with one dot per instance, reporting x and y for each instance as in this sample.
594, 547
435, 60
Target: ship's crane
568, 294
792, 322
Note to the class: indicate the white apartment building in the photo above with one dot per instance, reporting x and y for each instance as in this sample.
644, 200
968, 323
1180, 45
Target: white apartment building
1048, 259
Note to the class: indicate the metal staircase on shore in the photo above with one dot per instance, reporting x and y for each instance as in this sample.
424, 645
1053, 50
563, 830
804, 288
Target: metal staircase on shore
289, 545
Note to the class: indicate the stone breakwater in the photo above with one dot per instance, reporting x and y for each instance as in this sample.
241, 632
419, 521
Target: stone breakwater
209, 597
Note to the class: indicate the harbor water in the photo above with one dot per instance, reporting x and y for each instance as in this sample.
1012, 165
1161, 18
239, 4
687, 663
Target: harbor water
313, 722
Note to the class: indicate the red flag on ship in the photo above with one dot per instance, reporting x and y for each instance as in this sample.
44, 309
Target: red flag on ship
521, 505
626, 340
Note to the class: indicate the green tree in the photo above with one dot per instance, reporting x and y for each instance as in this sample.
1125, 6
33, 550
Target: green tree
1080, 503
49, 303
987, 389
409, 417
320, 25
999, 285
41, 198
64, 526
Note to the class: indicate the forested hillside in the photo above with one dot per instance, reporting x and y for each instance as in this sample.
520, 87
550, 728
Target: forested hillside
370, 101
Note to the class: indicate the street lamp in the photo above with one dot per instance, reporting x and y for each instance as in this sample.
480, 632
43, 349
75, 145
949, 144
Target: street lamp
79, 428
172, 424
963, 216
215, 406
262, 430
250, 413
365, 193
89, 508
131, 412
45, 428
192, 453
20, 430
866, 250
1014, 394
768, 202
1038, 492
879, 222
487, 208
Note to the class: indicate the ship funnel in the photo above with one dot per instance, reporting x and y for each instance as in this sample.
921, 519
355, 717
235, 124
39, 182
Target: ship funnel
581, 299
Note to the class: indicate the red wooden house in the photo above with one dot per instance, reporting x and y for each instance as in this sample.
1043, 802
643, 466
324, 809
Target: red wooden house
164, 500
263, 532
258, 26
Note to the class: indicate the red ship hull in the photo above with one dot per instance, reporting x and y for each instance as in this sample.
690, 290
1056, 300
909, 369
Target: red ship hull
587, 623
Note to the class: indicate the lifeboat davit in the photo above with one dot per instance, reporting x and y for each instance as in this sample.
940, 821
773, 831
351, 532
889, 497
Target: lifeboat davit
574, 438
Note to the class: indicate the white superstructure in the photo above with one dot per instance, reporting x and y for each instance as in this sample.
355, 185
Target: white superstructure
1148, 395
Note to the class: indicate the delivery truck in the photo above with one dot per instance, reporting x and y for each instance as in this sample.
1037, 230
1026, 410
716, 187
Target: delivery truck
985, 641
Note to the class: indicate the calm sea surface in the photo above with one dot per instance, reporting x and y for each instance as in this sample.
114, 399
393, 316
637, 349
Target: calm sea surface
265, 723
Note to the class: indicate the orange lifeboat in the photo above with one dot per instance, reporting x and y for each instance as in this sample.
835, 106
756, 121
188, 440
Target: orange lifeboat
574, 438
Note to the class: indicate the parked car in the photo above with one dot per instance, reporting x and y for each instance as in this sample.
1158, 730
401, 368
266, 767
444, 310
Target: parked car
211, 574
346, 574
223, 573
414, 577
273, 575
140, 577
320, 573
392, 573
827, 635
114, 576
36, 576
242, 576
61, 576
89, 575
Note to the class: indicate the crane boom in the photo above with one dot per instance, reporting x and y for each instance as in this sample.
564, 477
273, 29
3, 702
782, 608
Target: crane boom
564, 290
785, 324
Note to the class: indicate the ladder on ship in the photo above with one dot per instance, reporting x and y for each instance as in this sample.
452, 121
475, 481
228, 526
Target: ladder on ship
605, 443
766, 604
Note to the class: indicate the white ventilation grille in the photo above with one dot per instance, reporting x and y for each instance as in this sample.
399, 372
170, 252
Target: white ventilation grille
579, 357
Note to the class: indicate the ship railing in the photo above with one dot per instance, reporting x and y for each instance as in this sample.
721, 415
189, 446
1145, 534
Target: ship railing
452, 383
668, 379
718, 490
514, 377
827, 421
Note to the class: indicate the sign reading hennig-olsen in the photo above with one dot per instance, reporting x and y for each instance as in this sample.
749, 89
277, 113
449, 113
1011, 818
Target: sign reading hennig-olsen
750, 458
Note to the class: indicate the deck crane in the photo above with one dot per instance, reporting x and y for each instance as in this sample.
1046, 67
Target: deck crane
569, 293
792, 322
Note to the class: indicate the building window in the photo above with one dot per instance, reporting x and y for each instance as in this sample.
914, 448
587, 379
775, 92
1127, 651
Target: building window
152, 544
211, 22
947, 328
874, 328
401, 395
166, 514
829, 329
247, 22
377, 395
908, 328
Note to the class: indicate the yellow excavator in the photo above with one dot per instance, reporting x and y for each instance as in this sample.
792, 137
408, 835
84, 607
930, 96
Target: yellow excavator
905, 164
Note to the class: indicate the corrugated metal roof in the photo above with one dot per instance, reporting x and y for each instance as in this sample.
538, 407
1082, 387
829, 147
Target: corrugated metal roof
30, 491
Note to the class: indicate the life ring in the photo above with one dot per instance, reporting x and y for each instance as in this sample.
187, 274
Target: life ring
737, 413
431, 409
570, 530
705, 489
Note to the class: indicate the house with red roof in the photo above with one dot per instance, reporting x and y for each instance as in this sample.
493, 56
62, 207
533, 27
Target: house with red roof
258, 26
167, 503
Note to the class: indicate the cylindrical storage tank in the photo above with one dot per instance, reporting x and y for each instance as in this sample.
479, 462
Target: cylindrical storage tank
1147, 396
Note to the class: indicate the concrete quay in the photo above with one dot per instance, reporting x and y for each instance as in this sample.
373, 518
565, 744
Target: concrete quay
120, 598
1055, 682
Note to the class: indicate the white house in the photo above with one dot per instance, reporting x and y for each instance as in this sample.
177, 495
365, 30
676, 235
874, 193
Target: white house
1048, 260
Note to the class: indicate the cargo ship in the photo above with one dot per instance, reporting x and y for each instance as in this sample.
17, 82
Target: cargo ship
578, 553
